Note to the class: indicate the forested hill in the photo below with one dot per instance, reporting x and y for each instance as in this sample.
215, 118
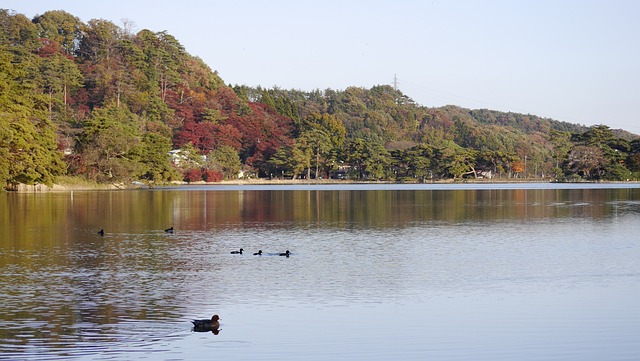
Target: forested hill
97, 100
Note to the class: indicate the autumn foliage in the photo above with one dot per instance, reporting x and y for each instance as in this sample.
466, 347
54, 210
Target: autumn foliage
97, 100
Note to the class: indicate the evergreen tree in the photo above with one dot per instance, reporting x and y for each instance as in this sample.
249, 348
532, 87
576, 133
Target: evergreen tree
28, 148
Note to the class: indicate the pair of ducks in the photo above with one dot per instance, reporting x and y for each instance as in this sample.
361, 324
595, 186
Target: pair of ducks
168, 230
259, 253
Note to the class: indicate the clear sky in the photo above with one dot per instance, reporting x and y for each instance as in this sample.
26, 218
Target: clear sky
576, 61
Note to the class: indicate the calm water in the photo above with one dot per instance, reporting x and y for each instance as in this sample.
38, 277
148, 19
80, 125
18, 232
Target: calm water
490, 272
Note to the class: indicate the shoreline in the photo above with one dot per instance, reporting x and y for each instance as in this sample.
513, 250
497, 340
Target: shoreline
68, 187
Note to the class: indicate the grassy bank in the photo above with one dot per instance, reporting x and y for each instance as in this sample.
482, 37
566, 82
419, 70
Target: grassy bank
67, 183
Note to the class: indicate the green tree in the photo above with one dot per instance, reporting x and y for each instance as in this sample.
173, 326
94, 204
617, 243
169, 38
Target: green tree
499, 162
561, 141
599, 154
369, 158
414, 162
61, 27
153, 156
266, 98
226, 159
163, 56
109, 144
19, 33
633, 160
419, 159
280, 162
60, 76
461, 163
291, 161
317, 141
320, 134
302, 154
377, 161
28, 148
100, 41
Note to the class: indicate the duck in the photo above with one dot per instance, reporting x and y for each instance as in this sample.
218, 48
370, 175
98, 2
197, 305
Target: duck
286, 254
207, 325
101, 232
237, 252
259, 253
169, 230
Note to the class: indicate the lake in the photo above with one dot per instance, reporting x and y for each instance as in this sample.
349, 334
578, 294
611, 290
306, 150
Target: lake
376, 272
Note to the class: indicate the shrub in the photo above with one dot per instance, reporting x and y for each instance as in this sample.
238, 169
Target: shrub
193, 175
210, 175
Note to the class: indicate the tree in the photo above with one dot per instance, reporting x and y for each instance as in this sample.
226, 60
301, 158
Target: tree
594, 136
561, 142
419, 161
263, 133
29, 152
225, 159
598, 154
208, 136
19, 33
99, 41
320, 134
112, 63
633, 161
188, 157
502, 162
60, 77
163, 55
317, 141
60, 27
28, 149
153, 156
369, 158
462, 162
586, 161
6, 135
281, 163
377, 161
414, 162
109, 144
302, 156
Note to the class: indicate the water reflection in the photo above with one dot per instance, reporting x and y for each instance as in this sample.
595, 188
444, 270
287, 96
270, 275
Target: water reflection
67, 291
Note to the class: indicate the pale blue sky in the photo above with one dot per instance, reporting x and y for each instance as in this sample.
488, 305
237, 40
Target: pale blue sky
577, 61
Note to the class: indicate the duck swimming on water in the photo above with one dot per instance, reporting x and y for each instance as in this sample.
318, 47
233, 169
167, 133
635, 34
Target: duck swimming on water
286, 254
101, 232
169, 230
259, 253
237, 252
205, 325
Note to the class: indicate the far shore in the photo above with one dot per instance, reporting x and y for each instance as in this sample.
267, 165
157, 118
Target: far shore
40, 188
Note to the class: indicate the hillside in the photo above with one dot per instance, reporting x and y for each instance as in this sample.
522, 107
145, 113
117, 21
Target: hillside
95, 100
